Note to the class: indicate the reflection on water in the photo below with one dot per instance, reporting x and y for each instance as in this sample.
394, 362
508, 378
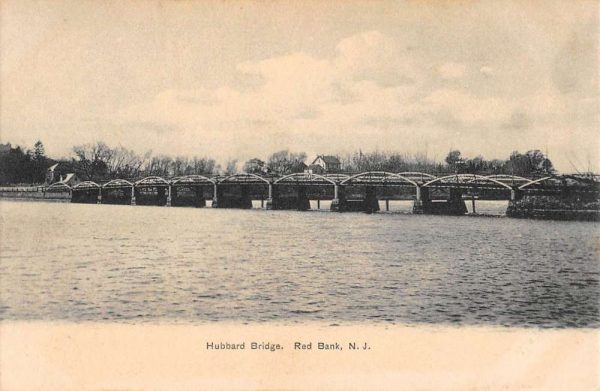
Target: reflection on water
101, 262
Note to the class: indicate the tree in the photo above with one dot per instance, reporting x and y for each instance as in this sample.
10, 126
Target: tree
476, 165
38, 163
231, 167
532, 163
93, 160
39, 151
255, 166
203, 166
179, 166
284, 162
124, 163
160, 165
12, 166
453, 157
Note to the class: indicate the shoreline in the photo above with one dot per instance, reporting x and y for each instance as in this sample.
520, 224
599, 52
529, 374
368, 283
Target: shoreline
541, 215
322, 210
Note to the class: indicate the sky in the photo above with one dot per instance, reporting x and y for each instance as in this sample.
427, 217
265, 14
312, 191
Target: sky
242, 79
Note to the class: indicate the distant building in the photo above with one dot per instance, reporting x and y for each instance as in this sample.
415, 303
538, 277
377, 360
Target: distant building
328, 163
52, 174
70, 179
299, 167
315, 169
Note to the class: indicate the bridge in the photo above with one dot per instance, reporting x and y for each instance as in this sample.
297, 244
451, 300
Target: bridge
444, 194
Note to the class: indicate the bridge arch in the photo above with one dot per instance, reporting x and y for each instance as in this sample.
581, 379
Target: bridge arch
239, 190
87, 192
507, 177
193, 180
152, 181
375, 178
466, 179
304, 177
243, 178
86, 185
336, 177
117, 183
118, 191
534, 182
57, 186
417, 174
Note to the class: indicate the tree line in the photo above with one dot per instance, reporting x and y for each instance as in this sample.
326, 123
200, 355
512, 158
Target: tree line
101, 162
19, 166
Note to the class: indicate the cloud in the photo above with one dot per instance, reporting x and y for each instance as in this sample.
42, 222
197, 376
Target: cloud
376, 57
451, 70
485, 70
367, 94
367, 76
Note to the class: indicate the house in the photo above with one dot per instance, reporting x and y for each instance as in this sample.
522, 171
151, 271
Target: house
55, 174
328, 163
315, 169
52, 174
70, 179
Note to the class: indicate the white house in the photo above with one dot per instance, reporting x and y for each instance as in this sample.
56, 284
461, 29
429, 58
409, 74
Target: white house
70, 179
327, 163
51, 174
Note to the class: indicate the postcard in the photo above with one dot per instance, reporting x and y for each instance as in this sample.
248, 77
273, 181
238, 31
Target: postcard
316, 195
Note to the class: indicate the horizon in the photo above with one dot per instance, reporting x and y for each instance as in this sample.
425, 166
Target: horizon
233, 80
308, 160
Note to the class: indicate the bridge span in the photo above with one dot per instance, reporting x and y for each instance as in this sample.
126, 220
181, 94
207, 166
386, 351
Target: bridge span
430, 194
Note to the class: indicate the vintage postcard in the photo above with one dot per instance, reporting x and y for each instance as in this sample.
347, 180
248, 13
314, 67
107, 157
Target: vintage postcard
315, 195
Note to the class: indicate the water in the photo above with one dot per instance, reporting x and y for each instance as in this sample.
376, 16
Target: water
62, 261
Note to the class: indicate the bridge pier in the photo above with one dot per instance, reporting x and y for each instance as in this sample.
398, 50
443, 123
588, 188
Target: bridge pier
516, 194
199, 197
168, 196
454, 205
224, 199
335, 205
132, 195
99, 199
195, 199
281, 200
199, 200
418, 204
87, 196
215, 200
370, 203
302, 202
269, 203
338, 204
151, 195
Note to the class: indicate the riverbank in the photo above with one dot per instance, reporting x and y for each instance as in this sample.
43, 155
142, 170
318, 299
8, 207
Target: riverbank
81, 356
554, 208
32, 192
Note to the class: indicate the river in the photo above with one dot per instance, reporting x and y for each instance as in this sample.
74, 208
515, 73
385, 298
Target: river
75, 262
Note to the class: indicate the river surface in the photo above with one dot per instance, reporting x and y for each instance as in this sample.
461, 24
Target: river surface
61, 261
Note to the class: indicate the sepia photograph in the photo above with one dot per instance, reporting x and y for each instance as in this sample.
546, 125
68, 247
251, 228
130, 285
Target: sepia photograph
283, 195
